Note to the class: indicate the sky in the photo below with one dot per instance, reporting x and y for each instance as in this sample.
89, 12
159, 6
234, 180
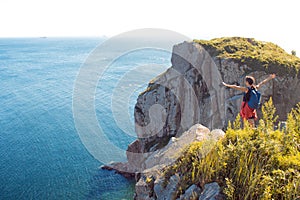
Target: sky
275, 21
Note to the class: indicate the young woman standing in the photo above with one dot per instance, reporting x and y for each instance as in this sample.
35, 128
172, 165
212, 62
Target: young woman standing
248, 109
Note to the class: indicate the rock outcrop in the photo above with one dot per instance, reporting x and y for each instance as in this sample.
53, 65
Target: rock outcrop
191, 92
151, 184
193, 192
211, 191
188, 93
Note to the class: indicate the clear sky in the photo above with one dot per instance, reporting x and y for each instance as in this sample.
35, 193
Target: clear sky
275, 21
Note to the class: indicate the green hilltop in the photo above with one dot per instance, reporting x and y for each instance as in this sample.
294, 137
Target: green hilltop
258, 55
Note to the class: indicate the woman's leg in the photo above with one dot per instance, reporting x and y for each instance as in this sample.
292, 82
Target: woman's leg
251, 122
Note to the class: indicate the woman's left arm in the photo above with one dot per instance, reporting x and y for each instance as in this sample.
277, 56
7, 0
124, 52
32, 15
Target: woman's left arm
240, 88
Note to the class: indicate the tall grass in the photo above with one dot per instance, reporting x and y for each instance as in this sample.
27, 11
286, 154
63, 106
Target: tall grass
248, 163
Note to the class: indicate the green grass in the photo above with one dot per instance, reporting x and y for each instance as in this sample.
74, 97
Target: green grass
255, 54
248, 163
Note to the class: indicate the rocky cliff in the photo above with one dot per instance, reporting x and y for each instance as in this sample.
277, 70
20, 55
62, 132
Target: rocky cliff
190, 92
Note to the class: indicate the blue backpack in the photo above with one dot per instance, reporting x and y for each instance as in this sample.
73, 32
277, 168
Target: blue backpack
254, 101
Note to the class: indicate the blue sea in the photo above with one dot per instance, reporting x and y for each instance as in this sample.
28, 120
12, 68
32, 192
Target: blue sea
42, 156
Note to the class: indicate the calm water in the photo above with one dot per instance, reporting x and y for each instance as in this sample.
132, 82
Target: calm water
42, 156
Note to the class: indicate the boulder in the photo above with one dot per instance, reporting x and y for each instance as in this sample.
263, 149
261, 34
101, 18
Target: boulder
192, 193
211, 191
168, 192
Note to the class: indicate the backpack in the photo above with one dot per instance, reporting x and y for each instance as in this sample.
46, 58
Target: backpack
254, 100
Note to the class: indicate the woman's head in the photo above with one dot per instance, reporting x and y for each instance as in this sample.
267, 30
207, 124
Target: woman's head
249, 81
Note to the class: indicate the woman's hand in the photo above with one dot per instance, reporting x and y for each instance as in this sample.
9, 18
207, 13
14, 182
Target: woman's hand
225, 84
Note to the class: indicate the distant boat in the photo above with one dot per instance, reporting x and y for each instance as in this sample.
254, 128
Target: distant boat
44, 37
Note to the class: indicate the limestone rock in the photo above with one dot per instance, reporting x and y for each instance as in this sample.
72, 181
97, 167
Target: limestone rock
184, 95
192, 193
170, 153
170, 191
144, 188
157, 160
167, 155
211, 192
124, 169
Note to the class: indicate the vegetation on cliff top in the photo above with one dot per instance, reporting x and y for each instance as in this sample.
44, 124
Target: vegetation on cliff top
248, 163
255, 54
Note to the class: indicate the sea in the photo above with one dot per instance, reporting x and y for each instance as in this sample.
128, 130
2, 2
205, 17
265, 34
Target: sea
41, 153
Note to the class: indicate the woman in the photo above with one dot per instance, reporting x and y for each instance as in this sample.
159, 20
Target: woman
248, 113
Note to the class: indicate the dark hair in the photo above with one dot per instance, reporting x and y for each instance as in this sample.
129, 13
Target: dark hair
250, 80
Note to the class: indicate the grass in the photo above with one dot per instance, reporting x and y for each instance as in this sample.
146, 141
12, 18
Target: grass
255, 54
247, 163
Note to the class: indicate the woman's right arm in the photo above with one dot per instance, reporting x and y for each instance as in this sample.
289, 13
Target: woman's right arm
266, 80
240, 88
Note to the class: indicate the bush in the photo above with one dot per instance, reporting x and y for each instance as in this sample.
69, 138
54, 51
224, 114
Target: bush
258, 55
248, 163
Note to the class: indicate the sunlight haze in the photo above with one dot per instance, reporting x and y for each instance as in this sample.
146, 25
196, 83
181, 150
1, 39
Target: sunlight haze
274, 21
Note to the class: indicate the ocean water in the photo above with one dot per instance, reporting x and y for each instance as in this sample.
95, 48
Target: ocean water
42, 156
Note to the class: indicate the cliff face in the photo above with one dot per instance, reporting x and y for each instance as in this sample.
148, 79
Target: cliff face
191, 92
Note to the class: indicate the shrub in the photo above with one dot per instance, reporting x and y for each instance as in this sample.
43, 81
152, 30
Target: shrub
258, 55
248, 163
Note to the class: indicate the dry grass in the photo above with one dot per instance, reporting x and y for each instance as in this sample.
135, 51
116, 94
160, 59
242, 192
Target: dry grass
256, 54
248, 163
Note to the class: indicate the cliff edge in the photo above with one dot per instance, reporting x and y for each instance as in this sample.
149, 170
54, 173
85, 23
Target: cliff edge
190, 92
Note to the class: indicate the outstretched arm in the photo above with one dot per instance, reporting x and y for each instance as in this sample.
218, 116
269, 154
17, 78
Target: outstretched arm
243, 89
266, 80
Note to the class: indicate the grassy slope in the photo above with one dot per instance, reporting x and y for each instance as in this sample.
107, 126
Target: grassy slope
256, 54
260, 163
